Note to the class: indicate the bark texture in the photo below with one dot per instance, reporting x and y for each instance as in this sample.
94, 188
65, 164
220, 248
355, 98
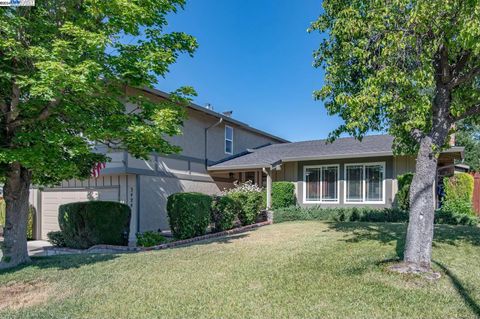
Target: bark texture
418, 248
418, 245
16, 193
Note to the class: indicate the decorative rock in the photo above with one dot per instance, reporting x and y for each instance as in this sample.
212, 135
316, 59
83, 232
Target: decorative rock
111, 249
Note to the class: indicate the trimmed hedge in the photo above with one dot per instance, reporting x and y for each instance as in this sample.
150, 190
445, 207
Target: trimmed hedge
189, 214
85, 224
391, 215
459, 187
56, 238
224, 212
283, 194
251, 203
458, 195
402, 199
340, 214
444, 216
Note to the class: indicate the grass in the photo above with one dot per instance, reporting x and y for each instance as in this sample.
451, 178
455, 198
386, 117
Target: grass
297, 269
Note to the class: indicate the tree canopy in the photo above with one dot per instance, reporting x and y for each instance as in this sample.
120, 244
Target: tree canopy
380, 61
64, 66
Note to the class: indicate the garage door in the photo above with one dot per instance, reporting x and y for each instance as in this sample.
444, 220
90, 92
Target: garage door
51, 200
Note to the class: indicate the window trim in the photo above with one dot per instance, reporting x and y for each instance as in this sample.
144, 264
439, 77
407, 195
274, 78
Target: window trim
226, 139
321, 201
364, 190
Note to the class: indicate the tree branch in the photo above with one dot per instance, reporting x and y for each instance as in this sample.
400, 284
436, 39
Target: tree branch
417, 134
474, 110
460, 64
44, 113
467, 77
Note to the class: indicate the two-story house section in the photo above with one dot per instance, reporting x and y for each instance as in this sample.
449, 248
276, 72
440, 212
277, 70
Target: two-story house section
144, 185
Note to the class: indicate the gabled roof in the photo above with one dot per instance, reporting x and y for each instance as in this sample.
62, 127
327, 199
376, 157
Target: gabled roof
225, 118
349, 147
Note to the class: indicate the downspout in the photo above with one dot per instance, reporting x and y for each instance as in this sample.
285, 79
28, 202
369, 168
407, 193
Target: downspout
206, 139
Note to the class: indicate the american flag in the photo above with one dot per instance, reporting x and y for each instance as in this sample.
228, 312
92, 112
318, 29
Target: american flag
97, 168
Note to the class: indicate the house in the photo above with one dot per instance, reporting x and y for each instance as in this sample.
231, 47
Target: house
344, 173
144, 185
218, 150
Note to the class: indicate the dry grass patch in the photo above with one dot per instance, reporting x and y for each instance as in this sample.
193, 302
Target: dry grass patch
16, 295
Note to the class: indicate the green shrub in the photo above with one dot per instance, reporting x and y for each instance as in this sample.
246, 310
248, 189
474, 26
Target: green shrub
402, 197
251, 199
31, 221
354, 214
251, 203
85, 224
56, 238
446, 216
340, 214
458, 207
150, 238
283, 194
224, 212
2, 212
189, 214
458, 196
458, 187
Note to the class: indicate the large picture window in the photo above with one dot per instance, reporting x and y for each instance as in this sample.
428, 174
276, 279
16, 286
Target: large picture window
364, 183
321, 184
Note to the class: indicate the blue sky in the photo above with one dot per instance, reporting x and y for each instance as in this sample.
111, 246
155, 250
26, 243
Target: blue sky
255, 58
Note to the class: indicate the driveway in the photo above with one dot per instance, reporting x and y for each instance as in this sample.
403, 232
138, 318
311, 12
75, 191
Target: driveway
35, 247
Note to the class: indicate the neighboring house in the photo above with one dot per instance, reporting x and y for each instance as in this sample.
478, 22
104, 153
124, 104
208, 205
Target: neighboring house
144, 185
344, 173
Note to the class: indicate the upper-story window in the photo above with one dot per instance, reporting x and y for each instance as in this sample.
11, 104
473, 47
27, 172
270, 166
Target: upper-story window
228, 139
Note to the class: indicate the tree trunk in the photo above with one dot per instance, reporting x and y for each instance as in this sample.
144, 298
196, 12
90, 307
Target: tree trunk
418, 248
418, 245
16, 192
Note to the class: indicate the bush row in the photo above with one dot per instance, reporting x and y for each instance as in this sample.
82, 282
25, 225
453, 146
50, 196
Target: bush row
340, 214
190, 214
392, 215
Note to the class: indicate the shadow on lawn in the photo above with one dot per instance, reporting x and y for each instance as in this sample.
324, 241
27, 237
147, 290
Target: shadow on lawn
387, 232
62, 262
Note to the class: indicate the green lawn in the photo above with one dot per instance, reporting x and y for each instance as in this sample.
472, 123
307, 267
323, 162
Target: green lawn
289, 270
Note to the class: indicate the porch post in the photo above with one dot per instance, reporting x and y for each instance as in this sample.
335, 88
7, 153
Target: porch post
269, 187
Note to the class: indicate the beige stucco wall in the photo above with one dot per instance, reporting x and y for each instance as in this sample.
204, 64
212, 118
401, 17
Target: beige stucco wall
154, 191
192, 141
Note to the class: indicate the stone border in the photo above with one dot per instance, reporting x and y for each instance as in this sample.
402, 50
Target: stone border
112, 249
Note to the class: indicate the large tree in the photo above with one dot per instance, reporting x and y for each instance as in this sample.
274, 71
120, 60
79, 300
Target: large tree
64, 67
410, 68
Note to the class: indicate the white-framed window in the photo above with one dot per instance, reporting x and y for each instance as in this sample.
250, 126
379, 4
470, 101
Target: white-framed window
228, 140
320, 184
365, 183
